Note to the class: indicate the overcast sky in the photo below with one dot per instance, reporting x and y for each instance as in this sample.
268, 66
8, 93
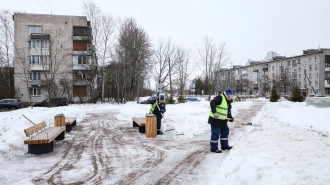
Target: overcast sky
249, 28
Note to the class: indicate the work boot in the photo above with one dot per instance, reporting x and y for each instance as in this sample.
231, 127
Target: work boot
160, 133
226, 148
216, 151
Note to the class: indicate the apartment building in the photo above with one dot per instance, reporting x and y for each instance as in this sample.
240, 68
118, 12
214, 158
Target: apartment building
309, 71
54, 56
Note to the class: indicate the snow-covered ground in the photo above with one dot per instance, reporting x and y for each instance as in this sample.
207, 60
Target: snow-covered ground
288, 143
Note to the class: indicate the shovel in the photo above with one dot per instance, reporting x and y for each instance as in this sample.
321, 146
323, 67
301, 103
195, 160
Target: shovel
243, 123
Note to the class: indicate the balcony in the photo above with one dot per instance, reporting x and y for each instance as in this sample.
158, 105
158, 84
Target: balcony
39, 51
38, 82
39, 67
82, 38
41, 36
82, 31
255, 86
327, 66
81, 82
265, 69
326, 84
81, 52
82, 67
35, 82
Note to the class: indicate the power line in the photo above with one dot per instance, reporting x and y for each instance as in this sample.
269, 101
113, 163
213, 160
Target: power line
49, 5
51, 2
42, 6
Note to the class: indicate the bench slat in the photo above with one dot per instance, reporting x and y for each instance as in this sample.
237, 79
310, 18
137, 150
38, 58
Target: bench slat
69, 120
45, 136
139, 120
34, 129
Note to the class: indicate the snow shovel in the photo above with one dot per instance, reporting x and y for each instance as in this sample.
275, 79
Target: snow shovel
243, 123
28, 119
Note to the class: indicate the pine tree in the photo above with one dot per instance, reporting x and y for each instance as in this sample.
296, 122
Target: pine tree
274, 96
296, 95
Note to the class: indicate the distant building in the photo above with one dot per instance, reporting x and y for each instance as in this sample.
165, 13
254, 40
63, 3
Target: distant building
309, 71
53, 55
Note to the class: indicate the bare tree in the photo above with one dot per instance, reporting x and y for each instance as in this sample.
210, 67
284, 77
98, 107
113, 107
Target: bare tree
6, 54
133, 52
183, 57
270, 55
211, 60
53, 59
164, 61
93, 14
106, 39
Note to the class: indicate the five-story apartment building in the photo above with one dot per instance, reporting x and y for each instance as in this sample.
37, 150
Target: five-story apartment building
53, 56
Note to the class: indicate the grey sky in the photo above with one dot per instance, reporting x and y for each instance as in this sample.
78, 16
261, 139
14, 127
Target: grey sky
250, 28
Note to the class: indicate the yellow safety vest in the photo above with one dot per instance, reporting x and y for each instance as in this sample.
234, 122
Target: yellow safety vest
153, 107
221, 109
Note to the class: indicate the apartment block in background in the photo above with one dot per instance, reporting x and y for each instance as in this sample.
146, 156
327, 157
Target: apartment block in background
309, 71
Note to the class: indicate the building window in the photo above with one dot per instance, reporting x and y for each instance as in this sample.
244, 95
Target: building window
39, 59
316, 66
289, 63
83, 59
316, 82
37, 43
35, 76
35, 91
34, 29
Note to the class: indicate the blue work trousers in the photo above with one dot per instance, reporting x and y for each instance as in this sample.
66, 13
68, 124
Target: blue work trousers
216, 133
159, 124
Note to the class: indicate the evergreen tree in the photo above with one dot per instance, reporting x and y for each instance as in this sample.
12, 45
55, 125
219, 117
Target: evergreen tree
296, 95
274, 96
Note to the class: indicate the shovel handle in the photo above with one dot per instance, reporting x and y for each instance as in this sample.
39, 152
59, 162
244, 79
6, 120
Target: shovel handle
244, 123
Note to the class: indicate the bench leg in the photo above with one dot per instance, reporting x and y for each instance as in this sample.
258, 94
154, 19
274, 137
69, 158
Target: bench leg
68, 128
134, 124
61, 136
142, 129
40, 148
74, 123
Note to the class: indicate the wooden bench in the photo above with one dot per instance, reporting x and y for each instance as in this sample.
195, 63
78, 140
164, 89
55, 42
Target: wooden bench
70, 122
140, 122
40, 139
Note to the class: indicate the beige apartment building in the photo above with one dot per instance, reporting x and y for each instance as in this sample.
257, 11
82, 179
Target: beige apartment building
310, 71
54, 56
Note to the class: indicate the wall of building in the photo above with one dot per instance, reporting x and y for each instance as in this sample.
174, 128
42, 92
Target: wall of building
60, 29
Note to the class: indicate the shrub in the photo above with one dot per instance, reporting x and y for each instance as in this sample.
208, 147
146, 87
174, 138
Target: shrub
237, 98
170, 101
181, 99
274, 95
296, 95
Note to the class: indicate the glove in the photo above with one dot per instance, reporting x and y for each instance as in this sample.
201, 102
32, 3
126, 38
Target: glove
231, 119
215, 115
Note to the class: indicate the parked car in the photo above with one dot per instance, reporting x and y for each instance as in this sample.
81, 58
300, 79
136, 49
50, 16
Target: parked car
193, 99
56, 101
11, 104
148, 101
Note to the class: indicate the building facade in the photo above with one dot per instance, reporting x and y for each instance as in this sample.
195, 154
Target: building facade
309, 71
54, 56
